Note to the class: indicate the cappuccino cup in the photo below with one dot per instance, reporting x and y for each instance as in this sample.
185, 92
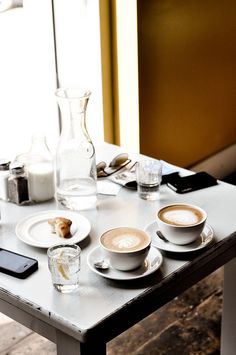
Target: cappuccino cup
181, 223
125, 247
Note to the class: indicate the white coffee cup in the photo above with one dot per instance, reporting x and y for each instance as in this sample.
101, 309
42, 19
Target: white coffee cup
181, 223
125, 247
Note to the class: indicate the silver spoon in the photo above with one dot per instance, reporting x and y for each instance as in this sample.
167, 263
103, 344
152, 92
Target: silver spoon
101, 264
161, 236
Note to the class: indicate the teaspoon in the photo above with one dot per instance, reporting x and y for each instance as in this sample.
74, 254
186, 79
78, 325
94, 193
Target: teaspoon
161, 236
101, 264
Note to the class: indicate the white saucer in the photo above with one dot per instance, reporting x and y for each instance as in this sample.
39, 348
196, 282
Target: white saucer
35, 230
151, 264
202, 241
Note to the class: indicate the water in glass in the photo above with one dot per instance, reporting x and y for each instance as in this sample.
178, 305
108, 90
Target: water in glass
64, 264
149, 176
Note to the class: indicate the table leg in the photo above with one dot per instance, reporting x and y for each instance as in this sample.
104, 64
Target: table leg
69, 345
228, 331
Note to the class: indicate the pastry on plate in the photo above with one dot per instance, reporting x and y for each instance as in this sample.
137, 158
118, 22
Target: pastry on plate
60, 226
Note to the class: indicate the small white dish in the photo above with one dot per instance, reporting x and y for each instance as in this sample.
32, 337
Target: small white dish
35, 230
202, 241
152, 262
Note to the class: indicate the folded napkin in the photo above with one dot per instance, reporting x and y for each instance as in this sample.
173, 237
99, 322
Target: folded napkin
106, 187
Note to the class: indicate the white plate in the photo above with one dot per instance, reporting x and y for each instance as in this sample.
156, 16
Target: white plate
35, 230
152, 262
202, 241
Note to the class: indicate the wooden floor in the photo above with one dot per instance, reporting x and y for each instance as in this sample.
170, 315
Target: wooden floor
188, 325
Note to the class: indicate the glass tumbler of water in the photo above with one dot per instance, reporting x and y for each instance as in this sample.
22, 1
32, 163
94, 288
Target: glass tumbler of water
149, 176
64, 265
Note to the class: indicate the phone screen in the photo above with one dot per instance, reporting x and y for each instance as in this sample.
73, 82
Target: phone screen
12, 261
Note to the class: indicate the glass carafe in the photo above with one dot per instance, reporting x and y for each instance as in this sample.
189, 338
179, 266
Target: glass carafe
76, 177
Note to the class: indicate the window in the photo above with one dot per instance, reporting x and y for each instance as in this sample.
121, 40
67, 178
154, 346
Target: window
77, 32
28, 69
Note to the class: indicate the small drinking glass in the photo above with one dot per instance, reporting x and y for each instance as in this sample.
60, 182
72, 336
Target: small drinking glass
64, 264
149, 176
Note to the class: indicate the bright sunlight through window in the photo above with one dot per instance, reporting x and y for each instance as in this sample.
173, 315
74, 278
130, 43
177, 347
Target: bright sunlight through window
28, 72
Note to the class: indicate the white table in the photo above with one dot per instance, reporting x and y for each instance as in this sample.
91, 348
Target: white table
82, 322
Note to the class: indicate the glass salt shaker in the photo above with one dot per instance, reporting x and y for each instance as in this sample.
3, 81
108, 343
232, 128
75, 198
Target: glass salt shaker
4, 175
18, 184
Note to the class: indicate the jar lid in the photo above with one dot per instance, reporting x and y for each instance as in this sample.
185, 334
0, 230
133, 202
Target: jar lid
17, 168
4, 164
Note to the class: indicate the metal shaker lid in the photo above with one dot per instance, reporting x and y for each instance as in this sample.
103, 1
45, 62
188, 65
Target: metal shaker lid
4, 164
17, 168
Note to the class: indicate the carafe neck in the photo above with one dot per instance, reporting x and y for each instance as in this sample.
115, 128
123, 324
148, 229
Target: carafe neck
73, 105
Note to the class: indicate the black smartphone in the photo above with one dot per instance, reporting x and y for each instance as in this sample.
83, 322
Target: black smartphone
170, 177
17, 265
192, 182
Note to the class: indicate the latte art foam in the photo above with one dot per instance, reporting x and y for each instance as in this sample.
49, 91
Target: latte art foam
181, 215
124, 240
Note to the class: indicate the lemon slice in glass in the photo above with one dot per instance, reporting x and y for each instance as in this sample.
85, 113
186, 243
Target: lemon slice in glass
62, 267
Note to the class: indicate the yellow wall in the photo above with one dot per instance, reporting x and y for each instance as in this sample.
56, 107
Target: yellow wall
187, 78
